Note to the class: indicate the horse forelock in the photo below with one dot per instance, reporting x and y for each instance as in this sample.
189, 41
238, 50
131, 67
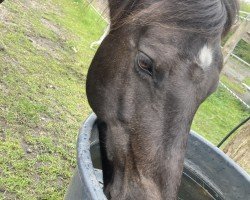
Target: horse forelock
208, 17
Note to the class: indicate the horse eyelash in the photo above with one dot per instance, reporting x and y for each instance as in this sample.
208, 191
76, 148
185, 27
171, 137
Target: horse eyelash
149, 72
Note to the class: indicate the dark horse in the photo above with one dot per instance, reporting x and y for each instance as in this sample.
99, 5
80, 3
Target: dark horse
159, 62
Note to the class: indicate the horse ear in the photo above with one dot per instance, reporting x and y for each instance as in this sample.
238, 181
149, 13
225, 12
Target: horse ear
119, 9
232, 9
114, 6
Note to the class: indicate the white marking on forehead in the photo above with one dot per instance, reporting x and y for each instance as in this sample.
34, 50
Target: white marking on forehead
205, 57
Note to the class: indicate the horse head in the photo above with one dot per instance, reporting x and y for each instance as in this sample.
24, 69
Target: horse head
159, 62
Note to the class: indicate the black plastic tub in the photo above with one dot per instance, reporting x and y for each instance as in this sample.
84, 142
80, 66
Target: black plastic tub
208, 172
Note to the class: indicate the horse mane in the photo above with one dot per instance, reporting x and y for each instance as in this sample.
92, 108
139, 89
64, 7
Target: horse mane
208, 17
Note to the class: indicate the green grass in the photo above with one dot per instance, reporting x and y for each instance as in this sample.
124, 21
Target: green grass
233, 85
243, 50
224, 40
43, 100
218, 115
247, 81
244, 6
42, 96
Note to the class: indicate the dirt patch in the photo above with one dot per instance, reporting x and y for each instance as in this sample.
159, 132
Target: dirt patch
38, 5
31, 4
6, 16
9, 19
49, 47
7, 195
3, 13
13, 63
239, 147
3, 127
4, 89
55, 28
28, 149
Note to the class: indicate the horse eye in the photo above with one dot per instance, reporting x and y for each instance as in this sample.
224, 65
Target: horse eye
145, 63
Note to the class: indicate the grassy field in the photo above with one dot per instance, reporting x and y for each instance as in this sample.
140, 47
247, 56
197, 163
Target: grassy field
247, 81
243, 50
218, 115
244, 6
44, 58
233, 85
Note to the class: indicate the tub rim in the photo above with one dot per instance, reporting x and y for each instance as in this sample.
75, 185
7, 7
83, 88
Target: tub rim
86, 169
